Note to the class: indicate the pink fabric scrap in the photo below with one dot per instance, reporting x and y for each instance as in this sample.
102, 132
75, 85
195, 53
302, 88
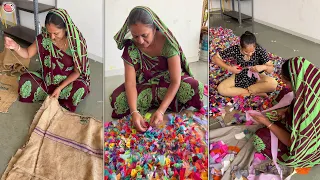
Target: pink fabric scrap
274, 151
255, 74
248, 123
260, 156
206, 90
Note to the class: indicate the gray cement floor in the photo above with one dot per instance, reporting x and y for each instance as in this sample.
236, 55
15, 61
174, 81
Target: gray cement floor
15, 124
286, 46
199, 70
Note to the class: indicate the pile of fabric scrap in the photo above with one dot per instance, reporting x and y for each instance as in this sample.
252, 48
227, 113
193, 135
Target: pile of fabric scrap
176, 151
220, 158
220, 39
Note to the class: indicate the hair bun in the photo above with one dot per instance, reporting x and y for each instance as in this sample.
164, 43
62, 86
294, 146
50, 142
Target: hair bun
248, 32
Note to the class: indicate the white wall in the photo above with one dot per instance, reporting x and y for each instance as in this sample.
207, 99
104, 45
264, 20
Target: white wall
88, 16
183, 17
214, 4
298, 17
81, 14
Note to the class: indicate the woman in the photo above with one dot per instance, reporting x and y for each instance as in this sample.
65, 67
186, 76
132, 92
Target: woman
249, 56
65, 72
156, 71
298, 132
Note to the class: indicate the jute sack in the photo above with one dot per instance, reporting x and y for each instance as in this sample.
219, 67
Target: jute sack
62, 146
8, 92
11, 62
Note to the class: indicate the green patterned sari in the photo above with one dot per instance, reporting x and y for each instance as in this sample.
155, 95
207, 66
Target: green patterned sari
152, 75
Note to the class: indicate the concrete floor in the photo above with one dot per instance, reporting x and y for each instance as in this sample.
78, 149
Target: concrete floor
199, 69
15, 124
286, 46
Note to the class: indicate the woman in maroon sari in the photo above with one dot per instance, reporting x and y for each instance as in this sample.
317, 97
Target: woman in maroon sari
65, 72
156, 72
296, 126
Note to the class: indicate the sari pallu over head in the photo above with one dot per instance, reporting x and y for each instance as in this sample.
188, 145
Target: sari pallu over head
120, 36
305, 136
76, 42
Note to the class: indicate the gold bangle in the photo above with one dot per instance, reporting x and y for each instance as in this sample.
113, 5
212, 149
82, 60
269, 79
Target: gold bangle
269, 125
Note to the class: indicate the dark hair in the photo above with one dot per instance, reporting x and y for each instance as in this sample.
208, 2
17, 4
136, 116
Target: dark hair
285, 70
140, 16
247, 38
52, 18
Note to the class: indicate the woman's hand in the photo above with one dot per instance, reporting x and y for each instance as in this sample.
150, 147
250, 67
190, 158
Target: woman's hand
258, 68
56, 93
138, 122
234, 69
261, 119
283, 135
156, 118
277, 115
10, 44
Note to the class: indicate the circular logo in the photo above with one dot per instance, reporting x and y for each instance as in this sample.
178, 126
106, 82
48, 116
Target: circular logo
8, 7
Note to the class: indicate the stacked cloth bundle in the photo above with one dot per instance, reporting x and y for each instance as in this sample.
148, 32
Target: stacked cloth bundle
11, 62
178, 150
62, 145
220, 39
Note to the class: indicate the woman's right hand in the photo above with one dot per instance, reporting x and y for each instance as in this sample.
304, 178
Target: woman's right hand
10, 43
234, 69
139, 122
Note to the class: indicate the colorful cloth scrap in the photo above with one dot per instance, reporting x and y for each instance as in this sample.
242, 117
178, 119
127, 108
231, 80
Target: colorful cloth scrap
177, 151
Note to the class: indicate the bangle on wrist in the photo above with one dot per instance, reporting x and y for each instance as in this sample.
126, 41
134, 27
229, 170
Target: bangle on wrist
161, 112
134, 112
269, 125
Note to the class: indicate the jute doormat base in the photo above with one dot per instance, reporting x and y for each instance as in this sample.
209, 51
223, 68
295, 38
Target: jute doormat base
10, 63
8, 92
61, 146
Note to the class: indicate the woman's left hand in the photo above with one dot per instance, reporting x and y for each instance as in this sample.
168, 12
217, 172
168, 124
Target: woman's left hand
56, 93
156, 118
258, 68
261, 119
